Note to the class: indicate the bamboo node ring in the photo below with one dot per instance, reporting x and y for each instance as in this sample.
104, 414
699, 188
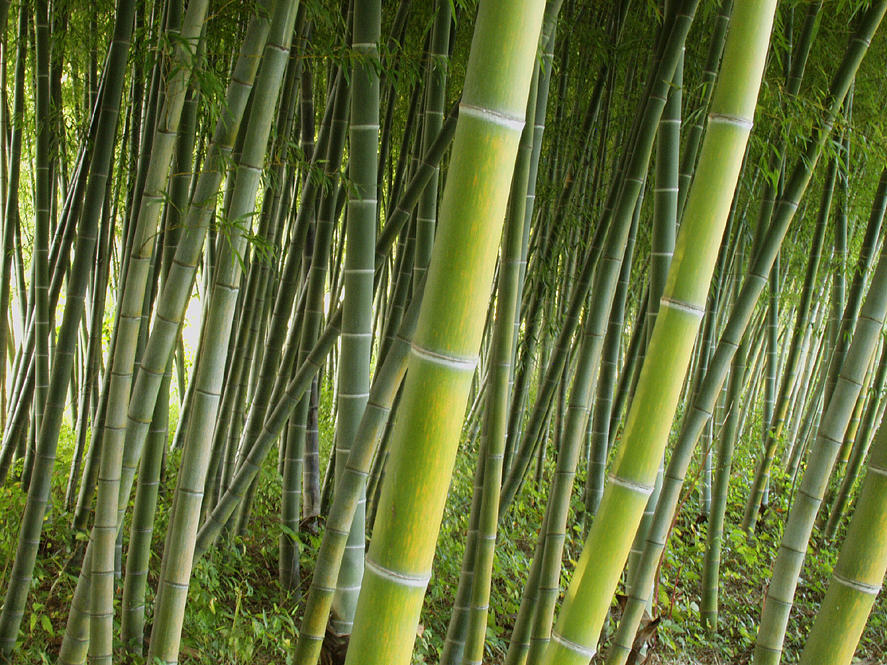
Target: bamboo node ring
573, 646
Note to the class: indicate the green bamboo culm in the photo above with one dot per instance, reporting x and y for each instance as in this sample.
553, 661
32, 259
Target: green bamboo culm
860, 447
492, 449
787, 566
866, 255
42, 196
350, 487
715, 532
444, 352
620, 208
859, 573
587, 600
172, 302
703, 403
823, 454
432, 118
11, 181
284, 404
357, 306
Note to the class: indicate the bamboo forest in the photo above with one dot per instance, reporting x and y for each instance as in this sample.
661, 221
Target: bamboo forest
517, 332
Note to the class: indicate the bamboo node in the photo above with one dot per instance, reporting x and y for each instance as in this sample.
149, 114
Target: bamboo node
856, 585
877, 469
726, 118
403, 579
458, 363
506, 120
573, 646
683, 306
630, 485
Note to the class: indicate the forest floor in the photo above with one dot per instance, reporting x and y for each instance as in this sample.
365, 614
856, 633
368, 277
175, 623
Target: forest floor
238, 613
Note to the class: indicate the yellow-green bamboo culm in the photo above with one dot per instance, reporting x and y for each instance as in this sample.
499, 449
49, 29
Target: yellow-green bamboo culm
703, 404
829, 438
859, 573
444, 352
587, 601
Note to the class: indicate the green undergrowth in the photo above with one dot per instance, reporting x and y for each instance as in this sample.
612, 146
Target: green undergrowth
238, 612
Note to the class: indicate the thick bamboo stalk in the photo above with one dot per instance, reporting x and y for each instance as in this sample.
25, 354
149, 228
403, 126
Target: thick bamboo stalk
859, 573
443, 356
40, 250
702, 405
386, 382
492, 447
799, 526
575, 637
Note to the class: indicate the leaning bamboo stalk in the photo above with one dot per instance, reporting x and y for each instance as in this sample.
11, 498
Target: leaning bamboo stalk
703, 403
178, 553
570, 448
286, 396
432, 118
10, 216
859, 573
10, 203
268, 385
176, 292
866, 255
709, 74
799, 526
860, 447
496, 414
665, 211
587, 601
178, 280
603, 274
129, 316
96, 578
386, 381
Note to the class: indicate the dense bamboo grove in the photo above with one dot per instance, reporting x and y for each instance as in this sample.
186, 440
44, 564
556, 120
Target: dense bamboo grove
540, 332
